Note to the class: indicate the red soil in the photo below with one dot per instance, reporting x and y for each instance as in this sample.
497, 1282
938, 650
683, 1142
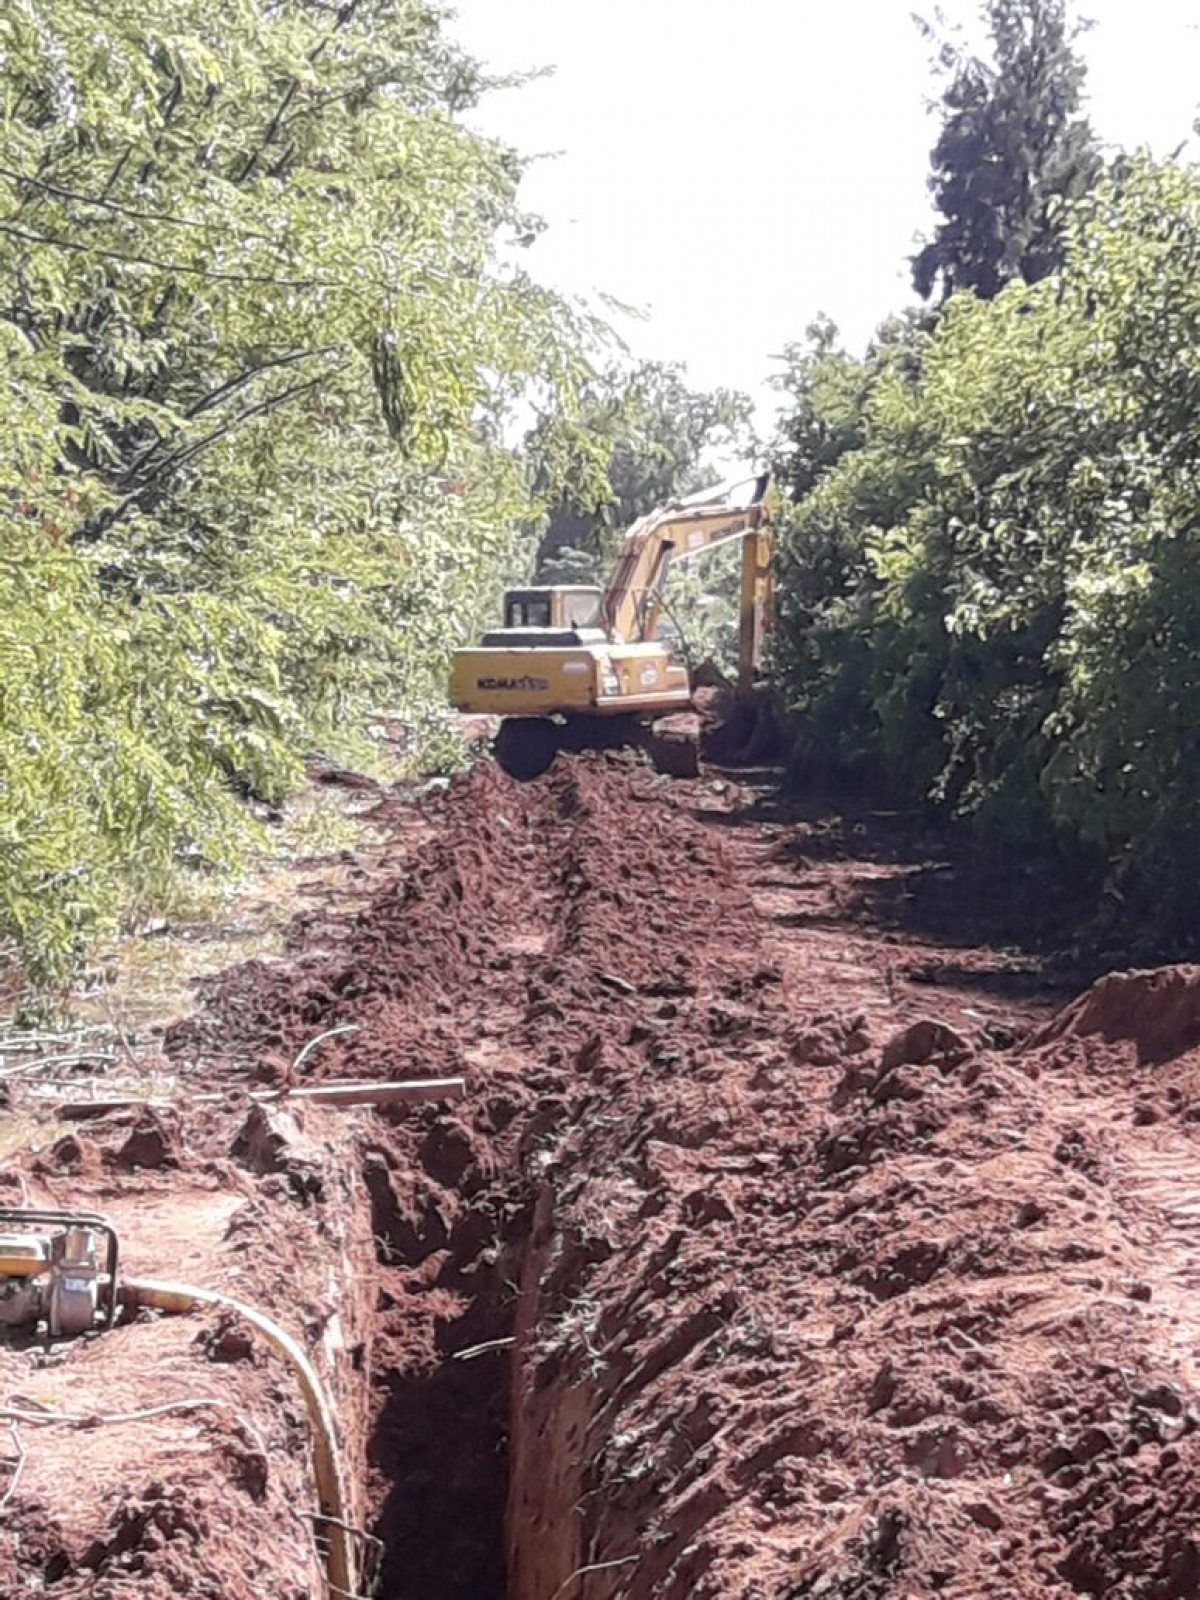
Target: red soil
774, 1252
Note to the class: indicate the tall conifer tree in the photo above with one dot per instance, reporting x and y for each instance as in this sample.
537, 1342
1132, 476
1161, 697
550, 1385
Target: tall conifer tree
1015, 147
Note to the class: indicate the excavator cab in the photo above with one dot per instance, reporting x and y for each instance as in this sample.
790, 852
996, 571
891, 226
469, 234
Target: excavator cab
544, 618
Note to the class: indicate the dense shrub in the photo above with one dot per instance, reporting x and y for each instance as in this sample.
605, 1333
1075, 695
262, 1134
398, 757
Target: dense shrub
994, 590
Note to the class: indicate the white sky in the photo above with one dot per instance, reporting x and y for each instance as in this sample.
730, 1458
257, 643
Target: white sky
733, 167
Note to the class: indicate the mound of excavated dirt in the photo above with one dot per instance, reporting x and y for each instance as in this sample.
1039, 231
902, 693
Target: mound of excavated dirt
1157, 1011
743, 1270
805, 1302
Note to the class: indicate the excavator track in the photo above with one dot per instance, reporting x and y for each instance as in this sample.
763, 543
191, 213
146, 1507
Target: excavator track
527, 747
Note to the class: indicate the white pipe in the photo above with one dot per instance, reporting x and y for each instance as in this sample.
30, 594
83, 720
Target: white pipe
414, 1091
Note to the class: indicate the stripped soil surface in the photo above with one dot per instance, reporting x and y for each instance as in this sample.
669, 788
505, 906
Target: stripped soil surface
797, 1235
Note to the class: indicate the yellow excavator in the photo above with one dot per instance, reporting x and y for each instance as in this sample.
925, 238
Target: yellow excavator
577, 668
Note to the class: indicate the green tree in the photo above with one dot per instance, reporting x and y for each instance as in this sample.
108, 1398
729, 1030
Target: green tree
1013, 151
825, 392
256, 320
995, 599
643, 436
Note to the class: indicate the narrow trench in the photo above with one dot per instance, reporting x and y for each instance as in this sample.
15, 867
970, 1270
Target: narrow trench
440, 1436
457, 1251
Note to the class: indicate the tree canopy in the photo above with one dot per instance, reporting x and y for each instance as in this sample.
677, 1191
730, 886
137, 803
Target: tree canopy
256, 321
1014, 150
992, 596
267, 347
642, 437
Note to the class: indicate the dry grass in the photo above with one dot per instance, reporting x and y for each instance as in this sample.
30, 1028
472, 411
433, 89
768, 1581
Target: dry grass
102, 1037
146, 977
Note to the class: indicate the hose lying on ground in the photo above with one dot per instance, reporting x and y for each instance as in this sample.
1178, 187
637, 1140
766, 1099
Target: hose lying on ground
181, 1298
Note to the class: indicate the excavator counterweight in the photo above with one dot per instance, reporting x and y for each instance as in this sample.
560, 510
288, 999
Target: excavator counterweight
574, 667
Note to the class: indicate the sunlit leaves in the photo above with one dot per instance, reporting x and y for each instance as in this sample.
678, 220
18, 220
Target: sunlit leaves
994, 590
253, 320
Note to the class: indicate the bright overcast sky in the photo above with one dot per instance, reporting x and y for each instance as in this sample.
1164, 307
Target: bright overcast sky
735, 166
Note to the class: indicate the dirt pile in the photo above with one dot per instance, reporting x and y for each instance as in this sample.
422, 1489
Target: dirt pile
779, 1347
1156, 1011
803, 1304
509, 951
748, 1267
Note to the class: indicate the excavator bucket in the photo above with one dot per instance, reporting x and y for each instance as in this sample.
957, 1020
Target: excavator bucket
673, 745
738, 730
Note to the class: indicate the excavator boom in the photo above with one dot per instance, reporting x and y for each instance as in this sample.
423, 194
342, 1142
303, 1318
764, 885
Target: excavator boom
634, 594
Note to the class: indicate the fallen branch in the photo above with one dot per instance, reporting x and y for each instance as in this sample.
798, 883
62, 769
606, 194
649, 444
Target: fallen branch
23, 1042
95, 1419
78, 1059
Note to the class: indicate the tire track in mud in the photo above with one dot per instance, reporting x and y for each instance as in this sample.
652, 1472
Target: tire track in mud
771, 1281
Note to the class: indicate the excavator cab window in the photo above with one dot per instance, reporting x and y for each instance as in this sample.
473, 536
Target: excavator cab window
580, 608
527, 611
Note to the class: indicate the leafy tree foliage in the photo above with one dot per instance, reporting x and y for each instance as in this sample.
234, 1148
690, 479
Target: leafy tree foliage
1014, 149
996, 595
640, 439
255, 326
643, 437
825, 392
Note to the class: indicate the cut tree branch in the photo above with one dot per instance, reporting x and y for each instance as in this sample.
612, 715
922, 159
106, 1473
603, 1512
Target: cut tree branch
344, 15
260, 407
224, 390
116, 172
96, 526
214, 397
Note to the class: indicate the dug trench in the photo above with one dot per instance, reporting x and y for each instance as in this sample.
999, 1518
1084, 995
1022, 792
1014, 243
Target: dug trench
773, 1252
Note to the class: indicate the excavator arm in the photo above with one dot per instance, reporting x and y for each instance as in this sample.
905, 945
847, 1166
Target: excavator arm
633, 599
